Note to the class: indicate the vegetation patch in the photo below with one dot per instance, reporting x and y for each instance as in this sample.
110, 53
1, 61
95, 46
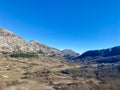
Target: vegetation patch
24, 55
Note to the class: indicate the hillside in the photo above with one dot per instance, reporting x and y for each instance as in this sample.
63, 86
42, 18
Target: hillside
13, 43
35, 66
69, 54
109, 55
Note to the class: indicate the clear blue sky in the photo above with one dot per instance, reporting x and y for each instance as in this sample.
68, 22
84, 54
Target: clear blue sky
76, 24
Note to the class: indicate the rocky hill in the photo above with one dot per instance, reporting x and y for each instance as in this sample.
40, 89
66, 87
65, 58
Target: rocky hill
10, 42
70, 54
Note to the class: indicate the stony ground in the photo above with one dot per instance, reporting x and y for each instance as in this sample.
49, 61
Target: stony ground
43, 73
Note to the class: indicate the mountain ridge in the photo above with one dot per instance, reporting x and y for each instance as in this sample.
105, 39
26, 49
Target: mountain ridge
109, 55
11, 42
103, 52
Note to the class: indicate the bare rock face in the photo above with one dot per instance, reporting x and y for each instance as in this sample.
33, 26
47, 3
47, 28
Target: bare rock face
10, 42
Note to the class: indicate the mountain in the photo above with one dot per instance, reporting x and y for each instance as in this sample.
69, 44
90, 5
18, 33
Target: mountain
69, 54
37, 69
39, 47
102, 56
104, 52
10, 42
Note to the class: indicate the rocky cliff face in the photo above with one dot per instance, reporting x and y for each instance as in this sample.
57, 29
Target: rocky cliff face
10, 42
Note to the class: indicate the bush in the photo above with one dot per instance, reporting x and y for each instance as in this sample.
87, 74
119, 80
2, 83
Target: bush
41, 52
23, 55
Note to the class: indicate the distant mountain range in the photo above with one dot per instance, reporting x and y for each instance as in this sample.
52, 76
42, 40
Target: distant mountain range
10, 42
104, 52
102, 56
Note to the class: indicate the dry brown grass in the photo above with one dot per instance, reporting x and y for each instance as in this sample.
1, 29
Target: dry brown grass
12, 71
